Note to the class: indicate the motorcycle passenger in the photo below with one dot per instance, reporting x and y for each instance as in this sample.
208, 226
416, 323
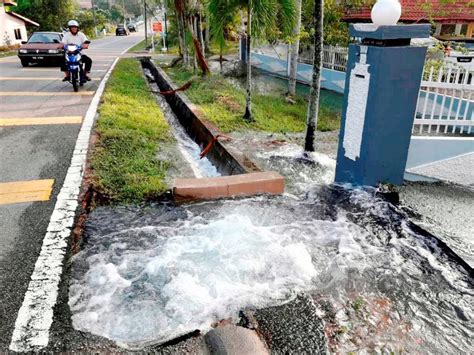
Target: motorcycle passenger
74, 36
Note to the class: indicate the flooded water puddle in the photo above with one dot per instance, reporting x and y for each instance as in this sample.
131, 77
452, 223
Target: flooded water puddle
151, 273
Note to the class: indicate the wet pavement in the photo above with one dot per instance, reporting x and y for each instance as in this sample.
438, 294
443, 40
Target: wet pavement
446, 210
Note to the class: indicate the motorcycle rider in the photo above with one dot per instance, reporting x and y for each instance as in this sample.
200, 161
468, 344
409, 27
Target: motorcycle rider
74, 36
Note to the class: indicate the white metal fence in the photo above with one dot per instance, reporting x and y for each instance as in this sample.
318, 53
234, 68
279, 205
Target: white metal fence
334, 57
445, 102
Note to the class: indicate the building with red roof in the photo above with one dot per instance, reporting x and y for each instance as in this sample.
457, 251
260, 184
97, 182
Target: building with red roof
453, 18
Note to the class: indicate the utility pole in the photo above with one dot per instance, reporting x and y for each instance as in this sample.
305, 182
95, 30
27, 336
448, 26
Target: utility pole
93, 15
123, 10
144, 18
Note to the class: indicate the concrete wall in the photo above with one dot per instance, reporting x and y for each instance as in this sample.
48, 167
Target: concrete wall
425, 150
330, 79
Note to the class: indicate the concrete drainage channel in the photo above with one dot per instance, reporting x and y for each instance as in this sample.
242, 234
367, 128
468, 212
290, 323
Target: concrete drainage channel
240, 176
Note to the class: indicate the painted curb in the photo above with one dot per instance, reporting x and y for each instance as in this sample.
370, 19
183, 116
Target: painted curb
35, 317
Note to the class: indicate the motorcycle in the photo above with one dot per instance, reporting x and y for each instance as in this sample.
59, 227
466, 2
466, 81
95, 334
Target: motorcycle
74, 65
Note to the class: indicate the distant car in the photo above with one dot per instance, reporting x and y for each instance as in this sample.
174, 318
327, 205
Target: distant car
132, 27
462, 53
42, 47
121, 31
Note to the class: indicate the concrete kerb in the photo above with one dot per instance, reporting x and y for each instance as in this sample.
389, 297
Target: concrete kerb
35, 317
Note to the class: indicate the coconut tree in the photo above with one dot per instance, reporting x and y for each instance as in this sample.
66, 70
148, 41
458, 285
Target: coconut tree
261, 14
313, 102
295, 47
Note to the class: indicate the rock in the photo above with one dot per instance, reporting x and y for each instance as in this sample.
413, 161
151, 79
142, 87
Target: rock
290, 100
234, 340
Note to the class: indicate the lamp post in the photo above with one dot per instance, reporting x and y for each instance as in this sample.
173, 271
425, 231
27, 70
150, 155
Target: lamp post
386, 12
144, 18
382, 82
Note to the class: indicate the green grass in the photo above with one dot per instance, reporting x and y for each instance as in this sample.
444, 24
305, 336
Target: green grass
141, 46
224, 104
231, 48
131, 127
4, 54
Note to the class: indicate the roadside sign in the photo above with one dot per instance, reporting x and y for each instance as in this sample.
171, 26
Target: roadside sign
157, 27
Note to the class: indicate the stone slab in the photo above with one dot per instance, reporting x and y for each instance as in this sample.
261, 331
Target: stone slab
229, 186
234, 340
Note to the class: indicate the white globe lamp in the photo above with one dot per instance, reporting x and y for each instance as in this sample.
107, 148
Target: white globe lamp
386, 12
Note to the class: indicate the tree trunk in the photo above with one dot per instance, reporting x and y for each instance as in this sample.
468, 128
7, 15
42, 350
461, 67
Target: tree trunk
248, 105
294, 51
181, 22
193, 32
313, 104
182, 47
207, 36
201, 34
199, 58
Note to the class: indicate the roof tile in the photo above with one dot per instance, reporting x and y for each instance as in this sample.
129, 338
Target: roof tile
423, 11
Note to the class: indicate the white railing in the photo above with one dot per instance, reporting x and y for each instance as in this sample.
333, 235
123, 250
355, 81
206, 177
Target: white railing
446, 102
334, 57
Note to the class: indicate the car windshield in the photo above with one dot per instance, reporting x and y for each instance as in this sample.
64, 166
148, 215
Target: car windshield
44, 38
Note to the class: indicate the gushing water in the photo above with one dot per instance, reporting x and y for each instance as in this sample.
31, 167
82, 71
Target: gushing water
189, 149
148, 274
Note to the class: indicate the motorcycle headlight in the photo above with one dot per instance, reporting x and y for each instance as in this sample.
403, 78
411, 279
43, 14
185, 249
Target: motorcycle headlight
53, 51
23, 51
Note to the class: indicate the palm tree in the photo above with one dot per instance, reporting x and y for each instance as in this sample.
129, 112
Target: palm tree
294, 51
313, 103
261, 14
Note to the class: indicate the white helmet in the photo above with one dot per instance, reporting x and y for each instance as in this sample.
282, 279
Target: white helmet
73, 23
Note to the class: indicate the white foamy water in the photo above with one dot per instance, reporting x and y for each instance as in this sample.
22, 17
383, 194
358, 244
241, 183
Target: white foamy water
189, 149
147, 276
188, 276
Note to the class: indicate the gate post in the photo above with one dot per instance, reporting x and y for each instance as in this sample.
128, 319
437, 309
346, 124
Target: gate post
382, 82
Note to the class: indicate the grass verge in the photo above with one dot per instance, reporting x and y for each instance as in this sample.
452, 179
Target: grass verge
130, 129
223, 103
141, 46
4, 54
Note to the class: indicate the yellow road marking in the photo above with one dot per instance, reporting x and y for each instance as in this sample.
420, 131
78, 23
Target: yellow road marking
25, 191
29, 121
44, 93
52, 78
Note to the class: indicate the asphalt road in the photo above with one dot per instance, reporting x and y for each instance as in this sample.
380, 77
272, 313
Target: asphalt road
39, 151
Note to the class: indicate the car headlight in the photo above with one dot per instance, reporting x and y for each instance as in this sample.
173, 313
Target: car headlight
53, 51
23, 51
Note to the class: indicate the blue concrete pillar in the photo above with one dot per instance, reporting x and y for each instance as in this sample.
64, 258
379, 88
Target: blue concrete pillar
382, 82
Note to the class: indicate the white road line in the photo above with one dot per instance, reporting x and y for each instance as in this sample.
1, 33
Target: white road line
35, 316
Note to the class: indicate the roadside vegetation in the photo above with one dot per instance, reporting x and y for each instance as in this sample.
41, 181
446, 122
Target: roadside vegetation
130, 129
223, 103
8, 50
